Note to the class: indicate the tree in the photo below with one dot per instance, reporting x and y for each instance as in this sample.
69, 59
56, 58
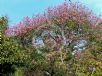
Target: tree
10, 52
68, 34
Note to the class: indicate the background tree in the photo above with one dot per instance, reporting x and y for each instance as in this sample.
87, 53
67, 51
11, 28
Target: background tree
10, 52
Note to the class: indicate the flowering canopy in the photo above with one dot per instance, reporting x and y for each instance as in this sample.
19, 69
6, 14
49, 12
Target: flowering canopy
62, 13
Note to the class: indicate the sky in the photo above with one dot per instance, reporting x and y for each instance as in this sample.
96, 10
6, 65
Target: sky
16, 10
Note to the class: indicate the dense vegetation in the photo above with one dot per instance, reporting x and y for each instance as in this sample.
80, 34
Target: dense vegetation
64, 41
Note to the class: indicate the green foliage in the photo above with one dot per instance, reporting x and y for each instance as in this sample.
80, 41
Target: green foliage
19, 72
10, 51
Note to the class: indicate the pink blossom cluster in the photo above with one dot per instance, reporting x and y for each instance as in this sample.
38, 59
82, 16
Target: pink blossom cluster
27, 25
65, 12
